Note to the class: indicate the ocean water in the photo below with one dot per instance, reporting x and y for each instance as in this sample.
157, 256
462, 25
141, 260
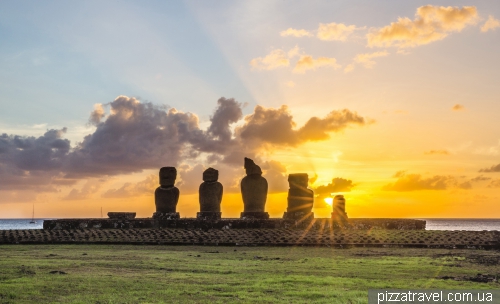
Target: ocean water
463, 224
432, 224
17, 224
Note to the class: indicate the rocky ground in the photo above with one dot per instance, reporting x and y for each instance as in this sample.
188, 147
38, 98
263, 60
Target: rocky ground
260, 237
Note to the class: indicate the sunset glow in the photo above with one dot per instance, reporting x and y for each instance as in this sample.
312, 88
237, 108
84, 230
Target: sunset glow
397, 110
329, 200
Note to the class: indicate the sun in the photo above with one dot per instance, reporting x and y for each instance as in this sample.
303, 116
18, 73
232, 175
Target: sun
329, 200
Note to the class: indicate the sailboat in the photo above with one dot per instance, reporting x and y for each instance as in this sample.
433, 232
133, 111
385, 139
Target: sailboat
33, 216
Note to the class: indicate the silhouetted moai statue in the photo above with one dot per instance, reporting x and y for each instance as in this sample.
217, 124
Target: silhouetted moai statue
167, 195
210, 194
338, 205
300, 199
254, 192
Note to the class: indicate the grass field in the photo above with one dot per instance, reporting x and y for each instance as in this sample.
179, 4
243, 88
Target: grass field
198, 274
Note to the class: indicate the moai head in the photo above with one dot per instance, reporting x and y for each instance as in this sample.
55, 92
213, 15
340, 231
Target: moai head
210, 175
251, 168
167, 176
298, 180
339, 198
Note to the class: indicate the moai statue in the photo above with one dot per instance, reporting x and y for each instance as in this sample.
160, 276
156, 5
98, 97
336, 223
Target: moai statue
300, 199
210, 195
254, 192
167, 195
338, 205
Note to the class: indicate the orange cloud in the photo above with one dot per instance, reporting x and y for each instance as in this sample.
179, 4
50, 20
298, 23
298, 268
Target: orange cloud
431, 23
295, 33
335, 31
494, 184
136, 136
349, 68
366, 59
307, 62
492, 169
437, 152
458, 107
480, 178
275, 59
490, 24
87, 191
338, 184
144, 187
277, 127
414, 182
97, 114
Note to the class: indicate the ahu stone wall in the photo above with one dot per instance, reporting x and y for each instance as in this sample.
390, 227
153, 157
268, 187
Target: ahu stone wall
227, 223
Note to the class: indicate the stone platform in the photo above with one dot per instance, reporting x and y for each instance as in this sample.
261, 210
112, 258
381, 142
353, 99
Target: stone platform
227, 223
315, 236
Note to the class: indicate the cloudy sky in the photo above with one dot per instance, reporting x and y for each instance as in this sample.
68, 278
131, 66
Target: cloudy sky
393, 104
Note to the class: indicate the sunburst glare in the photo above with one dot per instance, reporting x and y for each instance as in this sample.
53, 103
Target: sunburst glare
329, 200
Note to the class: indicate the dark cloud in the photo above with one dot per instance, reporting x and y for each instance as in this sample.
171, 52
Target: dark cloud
132, 136
480, 178
33, 163
491, 169
135, 136
338, 184
86, 192
414, 182
46, 152
276, 126
228, 112
189, 178
494, 184
276, 175
465, 185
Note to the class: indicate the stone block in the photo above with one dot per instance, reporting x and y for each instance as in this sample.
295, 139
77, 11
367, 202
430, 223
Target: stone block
209, 215
121, 215
254, 215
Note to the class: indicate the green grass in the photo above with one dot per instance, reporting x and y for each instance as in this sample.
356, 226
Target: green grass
196, 274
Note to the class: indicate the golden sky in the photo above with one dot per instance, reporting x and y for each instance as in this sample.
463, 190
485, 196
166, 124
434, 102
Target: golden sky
393, 106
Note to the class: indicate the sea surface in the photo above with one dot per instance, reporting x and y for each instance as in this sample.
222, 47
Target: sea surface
432, 224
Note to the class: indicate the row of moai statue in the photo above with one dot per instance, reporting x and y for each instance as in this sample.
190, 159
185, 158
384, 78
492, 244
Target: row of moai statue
253, 190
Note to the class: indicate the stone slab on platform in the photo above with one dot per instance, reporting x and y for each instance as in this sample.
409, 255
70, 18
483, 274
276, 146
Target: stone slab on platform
342, 238
227, 223
121, 215
254, 215
208, 215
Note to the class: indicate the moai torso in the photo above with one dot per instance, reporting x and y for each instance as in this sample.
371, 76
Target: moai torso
300, 198
253, 188
167, 195
210, 193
